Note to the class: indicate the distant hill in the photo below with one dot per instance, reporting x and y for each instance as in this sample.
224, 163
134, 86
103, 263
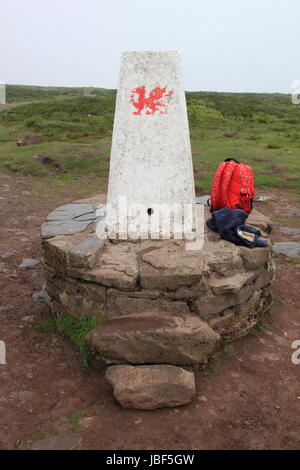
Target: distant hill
19, 93
262, 130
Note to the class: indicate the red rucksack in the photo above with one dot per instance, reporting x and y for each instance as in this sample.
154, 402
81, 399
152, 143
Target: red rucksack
233, 186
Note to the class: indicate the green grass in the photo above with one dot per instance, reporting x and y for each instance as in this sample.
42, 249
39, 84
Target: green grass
265, 323
217, 358
76, 329
76, 416
262, 130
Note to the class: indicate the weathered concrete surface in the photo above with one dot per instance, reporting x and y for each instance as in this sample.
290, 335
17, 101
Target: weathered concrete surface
151, 387
155, 339
151, 144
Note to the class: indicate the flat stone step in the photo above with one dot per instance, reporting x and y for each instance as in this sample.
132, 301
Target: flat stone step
151, 387
155, 338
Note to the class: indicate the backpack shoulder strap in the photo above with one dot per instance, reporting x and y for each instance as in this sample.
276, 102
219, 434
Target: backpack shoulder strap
228, 171
216, 186
247, 184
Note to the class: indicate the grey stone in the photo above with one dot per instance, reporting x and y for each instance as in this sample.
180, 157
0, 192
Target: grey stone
154, 338
222, 257
74, 296
70, 253
293, 213
151, 387
261, 198
59, 442
255, 258
202, 199
85, 253
121, 303
170, 268
231, 284
64, 227
117, 268
210, 305
265, 277
73, 211
222, 321
260, 221
70, 219
294, 232
289, 249
29, 263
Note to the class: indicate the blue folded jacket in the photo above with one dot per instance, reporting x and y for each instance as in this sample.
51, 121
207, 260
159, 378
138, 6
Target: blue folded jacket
230, 224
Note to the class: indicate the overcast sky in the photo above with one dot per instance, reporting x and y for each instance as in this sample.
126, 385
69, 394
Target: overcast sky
225, 45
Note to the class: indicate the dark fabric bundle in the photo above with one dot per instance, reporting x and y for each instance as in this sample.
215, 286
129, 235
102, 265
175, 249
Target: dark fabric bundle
230, 223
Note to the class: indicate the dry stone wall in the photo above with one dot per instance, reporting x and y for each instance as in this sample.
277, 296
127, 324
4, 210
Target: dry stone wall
162, 303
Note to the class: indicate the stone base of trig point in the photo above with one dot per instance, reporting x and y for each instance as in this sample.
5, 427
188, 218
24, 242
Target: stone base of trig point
161, 304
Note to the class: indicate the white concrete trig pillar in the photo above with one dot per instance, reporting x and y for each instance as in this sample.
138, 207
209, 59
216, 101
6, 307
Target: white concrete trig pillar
2, 93
151, 160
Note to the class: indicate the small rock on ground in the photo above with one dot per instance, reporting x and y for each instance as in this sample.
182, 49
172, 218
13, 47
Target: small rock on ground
59, 442
29, 263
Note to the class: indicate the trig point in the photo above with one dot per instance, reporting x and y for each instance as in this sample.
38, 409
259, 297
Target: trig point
151, 161
163, 304
2, 93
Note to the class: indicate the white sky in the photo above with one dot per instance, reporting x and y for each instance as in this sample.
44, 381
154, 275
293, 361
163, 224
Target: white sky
226, 45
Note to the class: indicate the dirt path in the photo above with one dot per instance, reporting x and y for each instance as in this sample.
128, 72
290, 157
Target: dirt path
249, 400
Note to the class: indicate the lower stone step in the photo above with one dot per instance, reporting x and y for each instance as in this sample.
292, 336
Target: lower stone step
151, 387
154, 338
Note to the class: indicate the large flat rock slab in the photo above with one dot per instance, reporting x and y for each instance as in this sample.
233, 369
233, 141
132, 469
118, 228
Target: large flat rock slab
70, 219
151, 387
289, 249
154, 338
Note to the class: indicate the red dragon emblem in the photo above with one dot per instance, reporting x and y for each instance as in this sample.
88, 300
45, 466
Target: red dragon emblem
157, 100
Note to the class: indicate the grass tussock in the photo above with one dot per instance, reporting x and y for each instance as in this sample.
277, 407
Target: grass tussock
76, 329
